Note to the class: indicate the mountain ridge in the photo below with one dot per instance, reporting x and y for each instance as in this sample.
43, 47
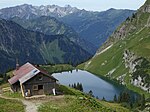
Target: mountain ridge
92, 26
96, 26
26, 45
51, 26
28, 13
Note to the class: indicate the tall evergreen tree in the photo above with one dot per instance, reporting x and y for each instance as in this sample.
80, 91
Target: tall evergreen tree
74, 86
104, 99
91, 93
69, 85
143, 102
138, 101
81, 87
78, 86
115, 98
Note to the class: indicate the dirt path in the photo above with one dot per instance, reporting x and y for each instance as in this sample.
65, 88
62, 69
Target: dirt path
33, 104
30, 106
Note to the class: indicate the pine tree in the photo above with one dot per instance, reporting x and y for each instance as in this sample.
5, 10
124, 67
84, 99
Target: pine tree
97, 97
143, 102
128, 19
119, 99
81, 87
5, 78
91, 93
103, 99
72, 86
131, 105
78, 86
76, 70
69, 85
115, 98
138, 101
75, 86
125, 97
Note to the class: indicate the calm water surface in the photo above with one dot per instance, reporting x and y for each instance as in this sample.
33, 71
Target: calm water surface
100, 87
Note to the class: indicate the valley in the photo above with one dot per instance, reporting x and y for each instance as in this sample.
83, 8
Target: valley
68, 59
61, 42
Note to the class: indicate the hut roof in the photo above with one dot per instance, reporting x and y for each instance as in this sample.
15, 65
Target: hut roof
26, 72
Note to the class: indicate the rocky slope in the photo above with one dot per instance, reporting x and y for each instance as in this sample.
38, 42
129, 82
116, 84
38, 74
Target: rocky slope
125, 56
17, 42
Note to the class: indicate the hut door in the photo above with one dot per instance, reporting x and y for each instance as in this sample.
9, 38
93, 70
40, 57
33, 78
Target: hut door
40, 89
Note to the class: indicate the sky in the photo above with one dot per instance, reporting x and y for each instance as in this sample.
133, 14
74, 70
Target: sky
92, 5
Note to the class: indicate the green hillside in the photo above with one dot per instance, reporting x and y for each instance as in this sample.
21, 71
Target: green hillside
75, 104
125, 56
71, 101
76, 101
57, 68
11, 105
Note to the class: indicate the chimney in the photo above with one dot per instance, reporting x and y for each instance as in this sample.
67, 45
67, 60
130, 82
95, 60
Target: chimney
17, 64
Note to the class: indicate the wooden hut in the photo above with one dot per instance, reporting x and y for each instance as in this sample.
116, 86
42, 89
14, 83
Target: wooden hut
31, 80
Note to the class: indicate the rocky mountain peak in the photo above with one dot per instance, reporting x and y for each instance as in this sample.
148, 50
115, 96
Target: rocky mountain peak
28, 11
146, 7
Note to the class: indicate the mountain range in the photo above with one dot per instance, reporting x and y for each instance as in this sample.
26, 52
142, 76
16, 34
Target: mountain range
96, 27
47, 34
91, 26
27, 11
51, 26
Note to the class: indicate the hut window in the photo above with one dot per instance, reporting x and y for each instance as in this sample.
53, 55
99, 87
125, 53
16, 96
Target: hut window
40, 87
35, 71
40, 78
35, 87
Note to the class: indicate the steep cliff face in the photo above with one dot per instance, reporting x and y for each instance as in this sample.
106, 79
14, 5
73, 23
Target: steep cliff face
125, 56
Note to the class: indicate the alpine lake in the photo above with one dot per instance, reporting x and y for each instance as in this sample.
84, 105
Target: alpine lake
100, 87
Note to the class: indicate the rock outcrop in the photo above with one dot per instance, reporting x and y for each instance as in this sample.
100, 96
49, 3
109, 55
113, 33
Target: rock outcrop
130, 60
137, 68
145, 8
